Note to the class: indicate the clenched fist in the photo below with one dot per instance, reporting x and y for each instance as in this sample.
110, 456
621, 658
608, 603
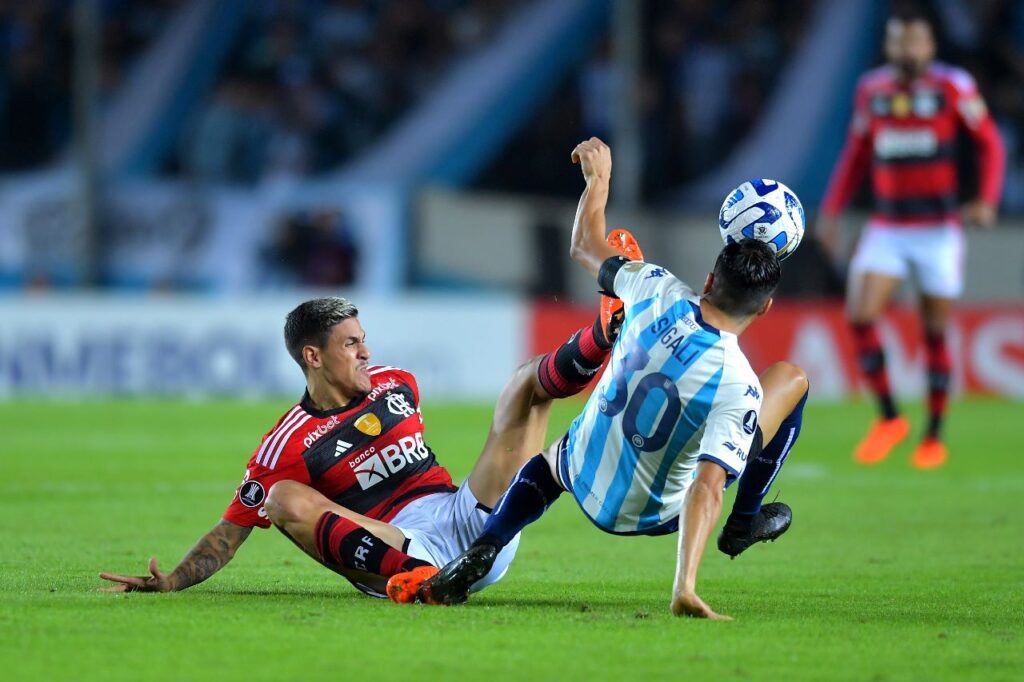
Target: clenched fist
594, 158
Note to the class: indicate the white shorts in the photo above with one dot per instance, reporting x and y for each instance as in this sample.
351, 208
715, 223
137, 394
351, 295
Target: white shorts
441, 526
933, 256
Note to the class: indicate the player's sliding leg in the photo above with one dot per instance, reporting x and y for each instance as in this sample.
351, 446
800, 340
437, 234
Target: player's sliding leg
339, 538
520, 425
869, 293
931, 452
509, 468
521, 413
785, 393
517, 433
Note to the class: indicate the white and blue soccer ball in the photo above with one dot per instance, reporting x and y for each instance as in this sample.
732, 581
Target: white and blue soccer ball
766, 210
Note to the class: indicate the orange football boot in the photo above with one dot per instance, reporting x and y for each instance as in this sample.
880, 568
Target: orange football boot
884, 435
625, 243
402, 587
930, 454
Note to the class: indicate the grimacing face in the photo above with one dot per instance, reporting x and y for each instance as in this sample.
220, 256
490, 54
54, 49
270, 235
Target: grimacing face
909, 46
344, 361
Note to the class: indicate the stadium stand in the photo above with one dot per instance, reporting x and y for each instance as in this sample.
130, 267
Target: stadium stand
36, 42
309, 85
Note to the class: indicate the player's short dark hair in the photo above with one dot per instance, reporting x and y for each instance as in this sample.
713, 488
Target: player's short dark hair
310, 324
910, 12
746, 274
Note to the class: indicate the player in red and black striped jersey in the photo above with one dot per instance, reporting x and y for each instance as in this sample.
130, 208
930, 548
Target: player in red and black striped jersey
907, 116
347, 474
367, 455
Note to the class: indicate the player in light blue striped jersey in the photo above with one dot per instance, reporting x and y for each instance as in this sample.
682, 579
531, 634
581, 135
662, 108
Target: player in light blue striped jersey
677, 416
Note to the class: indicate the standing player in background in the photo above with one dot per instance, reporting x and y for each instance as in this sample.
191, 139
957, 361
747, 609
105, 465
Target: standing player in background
907, 115
673, 420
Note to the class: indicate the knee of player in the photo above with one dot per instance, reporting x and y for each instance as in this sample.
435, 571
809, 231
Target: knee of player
283, 501
528, 370
523, 379
794, 376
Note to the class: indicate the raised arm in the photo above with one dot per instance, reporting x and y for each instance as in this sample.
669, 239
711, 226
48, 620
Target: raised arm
210, 554
700, 514
588, 246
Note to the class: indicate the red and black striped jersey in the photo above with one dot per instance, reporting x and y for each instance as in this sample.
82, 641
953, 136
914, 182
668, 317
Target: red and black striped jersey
905, 133
368, 456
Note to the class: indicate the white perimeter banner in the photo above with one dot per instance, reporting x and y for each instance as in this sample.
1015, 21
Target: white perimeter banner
78, 346
158, 233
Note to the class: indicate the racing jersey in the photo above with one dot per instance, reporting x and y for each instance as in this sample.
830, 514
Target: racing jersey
677, 391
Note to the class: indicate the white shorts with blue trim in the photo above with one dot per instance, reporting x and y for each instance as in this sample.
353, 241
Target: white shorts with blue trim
441, 526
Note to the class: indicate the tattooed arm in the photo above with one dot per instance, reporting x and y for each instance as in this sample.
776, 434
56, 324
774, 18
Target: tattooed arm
213, 551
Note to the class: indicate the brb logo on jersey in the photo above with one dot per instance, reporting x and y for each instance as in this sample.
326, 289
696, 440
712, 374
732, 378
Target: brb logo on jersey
372, 467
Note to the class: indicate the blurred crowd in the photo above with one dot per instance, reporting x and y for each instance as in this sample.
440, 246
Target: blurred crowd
712, 66
309, 84
690, 122
708, 68
314, 248
36, 51
986, 37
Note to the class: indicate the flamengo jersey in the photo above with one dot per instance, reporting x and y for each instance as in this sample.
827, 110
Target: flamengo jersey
677, 391
368, 456
905, 133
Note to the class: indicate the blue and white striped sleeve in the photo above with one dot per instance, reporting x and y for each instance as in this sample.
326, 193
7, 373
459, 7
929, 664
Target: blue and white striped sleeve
730, 427
636, 281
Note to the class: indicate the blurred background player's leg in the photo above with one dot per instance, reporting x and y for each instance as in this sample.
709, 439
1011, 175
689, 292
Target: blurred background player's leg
935, 311
939, 263
782, 410
868, 294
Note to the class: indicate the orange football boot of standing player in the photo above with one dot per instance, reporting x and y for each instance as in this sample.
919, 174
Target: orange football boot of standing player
930, 454
884, 435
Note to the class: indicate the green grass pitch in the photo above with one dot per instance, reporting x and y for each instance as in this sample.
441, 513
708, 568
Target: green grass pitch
886, 574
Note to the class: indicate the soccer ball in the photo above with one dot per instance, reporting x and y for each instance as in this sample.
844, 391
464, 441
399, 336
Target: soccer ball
766, 210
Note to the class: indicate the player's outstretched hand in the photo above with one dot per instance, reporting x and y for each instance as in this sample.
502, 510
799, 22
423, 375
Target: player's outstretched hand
979, 213
594, 158
692, 606
158, 581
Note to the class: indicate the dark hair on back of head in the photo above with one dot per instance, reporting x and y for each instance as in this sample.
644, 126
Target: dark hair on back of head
746, 274
311, 322
910, 12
